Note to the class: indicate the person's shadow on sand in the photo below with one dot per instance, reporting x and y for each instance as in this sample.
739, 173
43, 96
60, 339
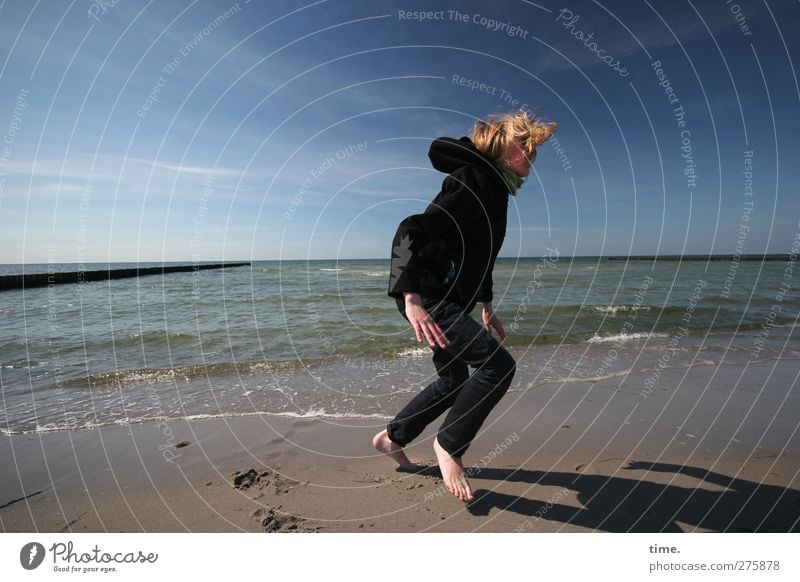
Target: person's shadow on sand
619, 504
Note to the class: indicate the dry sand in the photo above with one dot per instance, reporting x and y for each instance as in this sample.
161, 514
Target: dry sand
709, 449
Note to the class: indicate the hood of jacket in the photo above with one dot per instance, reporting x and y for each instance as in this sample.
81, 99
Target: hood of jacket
447, 154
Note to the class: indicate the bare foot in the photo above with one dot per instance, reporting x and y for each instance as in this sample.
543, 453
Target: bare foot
384, 444
453, 474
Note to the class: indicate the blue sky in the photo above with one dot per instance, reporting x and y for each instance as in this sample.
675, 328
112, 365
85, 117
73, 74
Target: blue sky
207, 130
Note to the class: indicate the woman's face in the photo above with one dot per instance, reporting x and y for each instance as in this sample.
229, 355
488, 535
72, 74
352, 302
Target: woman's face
516, 161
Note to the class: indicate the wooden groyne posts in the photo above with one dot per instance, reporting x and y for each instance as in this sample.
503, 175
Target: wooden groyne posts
28, 281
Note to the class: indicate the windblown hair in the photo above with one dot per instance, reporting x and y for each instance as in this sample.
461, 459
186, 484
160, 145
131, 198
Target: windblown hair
493, 134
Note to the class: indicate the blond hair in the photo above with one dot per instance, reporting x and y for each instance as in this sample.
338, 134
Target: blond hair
494, 133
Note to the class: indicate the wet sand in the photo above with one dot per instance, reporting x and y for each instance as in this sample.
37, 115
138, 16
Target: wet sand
706, 448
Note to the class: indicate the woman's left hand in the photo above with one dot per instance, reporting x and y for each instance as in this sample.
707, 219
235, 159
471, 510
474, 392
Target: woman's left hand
490, 320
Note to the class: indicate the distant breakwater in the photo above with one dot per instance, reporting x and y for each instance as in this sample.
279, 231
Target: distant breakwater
28, 281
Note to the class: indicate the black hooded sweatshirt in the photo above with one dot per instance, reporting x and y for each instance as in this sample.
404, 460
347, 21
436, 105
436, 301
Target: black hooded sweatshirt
448, 252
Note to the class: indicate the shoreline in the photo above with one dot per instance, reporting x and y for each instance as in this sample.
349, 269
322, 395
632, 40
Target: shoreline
362, 384
707, 450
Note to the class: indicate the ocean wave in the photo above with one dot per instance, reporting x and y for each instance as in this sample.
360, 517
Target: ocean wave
149, 338
700, 362
188, 373
693, 348
608, 376
414, 352
617, 374
617, 308
622, 337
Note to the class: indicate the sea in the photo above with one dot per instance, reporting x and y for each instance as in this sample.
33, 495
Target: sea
322, 338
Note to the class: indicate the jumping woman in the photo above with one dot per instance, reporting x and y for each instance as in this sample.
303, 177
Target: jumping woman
441, 268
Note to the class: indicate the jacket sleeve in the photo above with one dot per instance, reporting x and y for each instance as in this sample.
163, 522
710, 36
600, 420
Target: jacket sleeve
458, 205
485, 294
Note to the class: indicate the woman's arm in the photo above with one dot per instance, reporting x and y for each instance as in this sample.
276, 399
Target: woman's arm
491, 321
423, 323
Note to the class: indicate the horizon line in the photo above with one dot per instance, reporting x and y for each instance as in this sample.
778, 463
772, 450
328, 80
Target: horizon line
616, 257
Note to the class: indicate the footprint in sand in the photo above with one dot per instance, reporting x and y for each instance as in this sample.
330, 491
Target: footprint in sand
253, 479
274, 521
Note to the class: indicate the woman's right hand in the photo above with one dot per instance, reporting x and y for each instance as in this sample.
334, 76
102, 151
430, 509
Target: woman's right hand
423, 323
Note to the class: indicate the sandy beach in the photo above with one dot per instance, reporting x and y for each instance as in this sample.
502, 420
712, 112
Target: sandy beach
707, 448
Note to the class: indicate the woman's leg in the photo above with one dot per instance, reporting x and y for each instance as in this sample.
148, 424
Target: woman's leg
473, 403
472, 344
483, 389
429, 404
471, 399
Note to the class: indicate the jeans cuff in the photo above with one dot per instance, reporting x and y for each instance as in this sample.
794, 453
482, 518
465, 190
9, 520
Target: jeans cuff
449, 448
389, 434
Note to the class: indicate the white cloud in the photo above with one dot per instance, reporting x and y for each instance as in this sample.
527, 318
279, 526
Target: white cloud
107, 167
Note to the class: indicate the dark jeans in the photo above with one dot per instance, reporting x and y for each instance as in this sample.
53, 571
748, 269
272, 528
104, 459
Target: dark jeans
470, 398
